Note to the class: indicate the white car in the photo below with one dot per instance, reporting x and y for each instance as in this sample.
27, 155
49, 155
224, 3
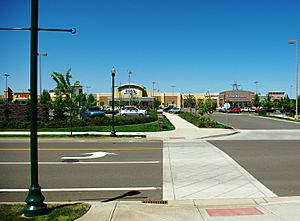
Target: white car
174, 110
132, 111
248, 109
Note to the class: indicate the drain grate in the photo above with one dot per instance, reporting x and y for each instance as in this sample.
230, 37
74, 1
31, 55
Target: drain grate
156, 201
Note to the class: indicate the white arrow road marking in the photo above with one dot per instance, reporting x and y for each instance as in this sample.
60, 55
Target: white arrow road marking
93, 155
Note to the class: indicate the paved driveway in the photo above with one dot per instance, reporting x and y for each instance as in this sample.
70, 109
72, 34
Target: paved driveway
253, 122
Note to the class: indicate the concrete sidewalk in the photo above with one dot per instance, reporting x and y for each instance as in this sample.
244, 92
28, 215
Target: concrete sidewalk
258, 209
187, 131
200, 182
195, 169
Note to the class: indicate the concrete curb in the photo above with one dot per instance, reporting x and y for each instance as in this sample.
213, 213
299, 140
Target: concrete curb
219, 135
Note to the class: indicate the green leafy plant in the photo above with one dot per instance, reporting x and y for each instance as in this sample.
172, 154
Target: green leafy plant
200, 121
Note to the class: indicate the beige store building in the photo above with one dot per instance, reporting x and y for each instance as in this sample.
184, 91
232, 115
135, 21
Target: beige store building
133, 92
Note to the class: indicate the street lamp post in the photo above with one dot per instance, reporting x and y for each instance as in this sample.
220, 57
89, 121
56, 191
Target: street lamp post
255, 82
295, 42
129, 74
173, 86
6, 86
6, 76
113, 74
40, 55
153, 83
34, 200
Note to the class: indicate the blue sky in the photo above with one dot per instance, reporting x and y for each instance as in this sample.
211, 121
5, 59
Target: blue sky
195, 45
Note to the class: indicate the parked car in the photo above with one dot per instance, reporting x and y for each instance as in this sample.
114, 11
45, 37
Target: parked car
174, 110
223, 110
248, 109
234, 110
257, 110
132, 111
169, 108
94, 112
109, 108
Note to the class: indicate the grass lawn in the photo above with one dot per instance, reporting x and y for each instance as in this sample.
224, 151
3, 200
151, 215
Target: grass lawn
147, 127
61, 212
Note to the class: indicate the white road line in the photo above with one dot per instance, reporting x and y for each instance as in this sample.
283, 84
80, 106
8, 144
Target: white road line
85, 189
70, 162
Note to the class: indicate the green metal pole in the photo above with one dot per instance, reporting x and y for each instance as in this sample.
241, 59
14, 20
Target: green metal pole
35, 200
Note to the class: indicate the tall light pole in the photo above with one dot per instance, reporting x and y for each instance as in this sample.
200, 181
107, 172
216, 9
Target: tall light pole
255, 82
153, 83
129, 74
173, 86
6, 76
34, 200
6, 86
40, 55
291, 94
295, 42
113, 74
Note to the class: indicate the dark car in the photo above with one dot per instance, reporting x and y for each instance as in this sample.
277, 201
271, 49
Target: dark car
168, 108
93, 112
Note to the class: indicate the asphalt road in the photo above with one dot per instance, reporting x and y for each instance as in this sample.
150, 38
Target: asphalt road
131, 170
275, 163
249, 121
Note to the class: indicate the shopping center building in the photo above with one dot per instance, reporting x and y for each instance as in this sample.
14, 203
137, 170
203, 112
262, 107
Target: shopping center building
239, 98
134, 93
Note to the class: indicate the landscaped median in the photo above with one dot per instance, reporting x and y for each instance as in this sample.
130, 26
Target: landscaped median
122, 124
201, 121
61, 212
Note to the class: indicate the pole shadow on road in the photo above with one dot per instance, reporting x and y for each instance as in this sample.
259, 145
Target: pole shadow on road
125, 195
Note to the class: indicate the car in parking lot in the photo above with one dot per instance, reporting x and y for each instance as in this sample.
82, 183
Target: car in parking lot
93, 112
132, 111
222, 109
168, 108
234, 110
248, 109
174, 110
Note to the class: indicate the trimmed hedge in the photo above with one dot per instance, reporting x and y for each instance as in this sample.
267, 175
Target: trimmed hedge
97, 121
200, 121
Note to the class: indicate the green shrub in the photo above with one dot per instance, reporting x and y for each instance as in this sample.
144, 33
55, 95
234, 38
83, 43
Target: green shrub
3, 123
197, 120
262, 112
16, 124
99, 121
96, 121
290, 114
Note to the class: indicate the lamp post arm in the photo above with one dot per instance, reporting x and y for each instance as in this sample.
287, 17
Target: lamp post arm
72, 30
